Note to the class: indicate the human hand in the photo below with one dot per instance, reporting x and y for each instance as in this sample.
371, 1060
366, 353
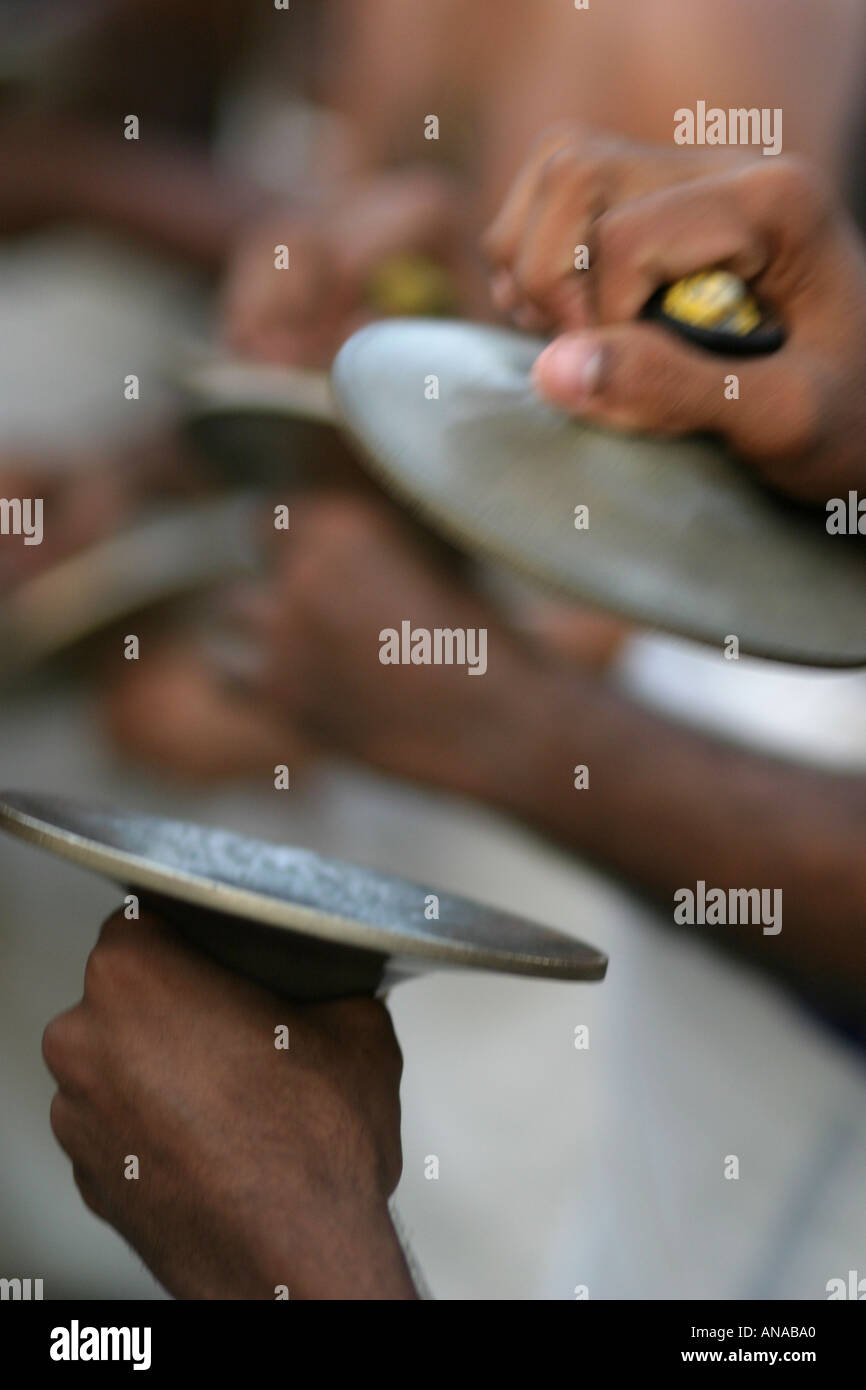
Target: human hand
800, 415
300, 316
574, 176
182, 712
352, 570
258, 1167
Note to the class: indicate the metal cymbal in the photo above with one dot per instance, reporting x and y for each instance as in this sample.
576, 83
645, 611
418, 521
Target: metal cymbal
227, 384
161, 557
680, 536
259, 424
303, 925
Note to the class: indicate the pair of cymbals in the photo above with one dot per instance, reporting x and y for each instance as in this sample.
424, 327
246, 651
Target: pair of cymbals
308, 927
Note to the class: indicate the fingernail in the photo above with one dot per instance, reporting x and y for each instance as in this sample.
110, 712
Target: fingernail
569, 370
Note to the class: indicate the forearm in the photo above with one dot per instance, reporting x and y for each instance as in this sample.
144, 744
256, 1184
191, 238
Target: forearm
598, 73
170, 199
667, 807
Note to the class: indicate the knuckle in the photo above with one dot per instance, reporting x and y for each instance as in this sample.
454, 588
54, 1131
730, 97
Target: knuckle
799, 180
55, 1044
792, 183
60, 1119
65, 1049
616, 239
536, 275
624, 255
100, 969
572, 174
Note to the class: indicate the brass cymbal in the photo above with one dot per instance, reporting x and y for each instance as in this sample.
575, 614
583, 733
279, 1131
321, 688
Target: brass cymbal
301, 924
679, 534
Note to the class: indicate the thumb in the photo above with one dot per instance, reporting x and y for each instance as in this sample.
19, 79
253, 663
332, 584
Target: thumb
638, 376
634, 377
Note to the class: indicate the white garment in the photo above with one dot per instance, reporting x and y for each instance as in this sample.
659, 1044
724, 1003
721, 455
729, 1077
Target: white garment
80, 314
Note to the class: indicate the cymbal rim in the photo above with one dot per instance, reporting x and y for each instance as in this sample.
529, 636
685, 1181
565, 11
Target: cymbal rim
585, 963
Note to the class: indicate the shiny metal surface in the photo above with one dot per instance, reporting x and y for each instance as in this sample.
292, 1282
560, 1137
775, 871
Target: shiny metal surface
680, 536
296, 921
227, 384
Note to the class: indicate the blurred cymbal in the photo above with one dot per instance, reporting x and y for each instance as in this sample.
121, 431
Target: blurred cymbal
680, 536
228, 383
261, 424
301, 924
156, 559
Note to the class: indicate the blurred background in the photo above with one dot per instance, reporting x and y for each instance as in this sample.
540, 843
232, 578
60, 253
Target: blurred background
138, 258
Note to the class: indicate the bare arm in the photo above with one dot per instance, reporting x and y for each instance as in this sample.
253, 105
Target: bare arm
627, 67
167, 196
666, 806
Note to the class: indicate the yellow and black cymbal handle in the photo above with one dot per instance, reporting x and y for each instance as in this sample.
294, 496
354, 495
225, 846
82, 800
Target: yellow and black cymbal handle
716, 310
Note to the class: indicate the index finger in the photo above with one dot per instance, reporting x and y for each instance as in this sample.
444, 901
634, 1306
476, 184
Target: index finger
502, 239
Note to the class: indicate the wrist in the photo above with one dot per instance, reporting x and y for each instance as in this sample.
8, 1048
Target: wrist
342, 1255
